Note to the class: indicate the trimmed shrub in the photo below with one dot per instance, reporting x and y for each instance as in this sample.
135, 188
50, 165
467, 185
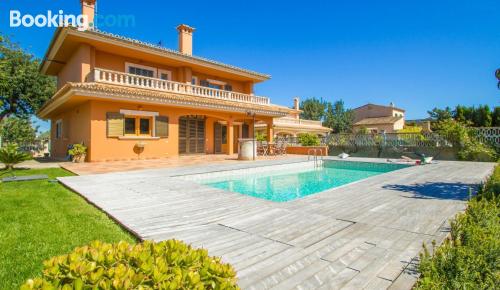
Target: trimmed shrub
470, 257
165, 265
308, 139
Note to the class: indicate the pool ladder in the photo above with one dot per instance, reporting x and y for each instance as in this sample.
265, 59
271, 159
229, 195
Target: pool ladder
313, 153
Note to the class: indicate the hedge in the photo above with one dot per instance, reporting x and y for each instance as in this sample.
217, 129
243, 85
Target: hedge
165, 265
470, 257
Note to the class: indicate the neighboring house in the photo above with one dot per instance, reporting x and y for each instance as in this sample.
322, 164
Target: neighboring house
126, 99
378, 119
291, 125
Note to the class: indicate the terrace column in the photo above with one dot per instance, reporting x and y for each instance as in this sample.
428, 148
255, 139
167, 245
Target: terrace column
230, 137
270, 131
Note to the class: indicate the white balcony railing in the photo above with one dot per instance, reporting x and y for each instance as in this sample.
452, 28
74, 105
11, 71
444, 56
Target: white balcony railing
131, 80
290, 120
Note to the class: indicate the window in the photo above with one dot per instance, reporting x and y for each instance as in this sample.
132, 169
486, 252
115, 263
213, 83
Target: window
214, 86
141, 70
130, 125
224, 134
165, 74
138, 126
144, 126
58, 129
194, 81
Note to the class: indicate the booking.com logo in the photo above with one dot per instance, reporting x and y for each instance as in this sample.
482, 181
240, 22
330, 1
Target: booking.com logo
81, 22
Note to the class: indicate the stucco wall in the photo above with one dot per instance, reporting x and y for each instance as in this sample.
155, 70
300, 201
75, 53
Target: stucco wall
388, 128
117, 63
103, 148
78, 66
75, 129
375, 111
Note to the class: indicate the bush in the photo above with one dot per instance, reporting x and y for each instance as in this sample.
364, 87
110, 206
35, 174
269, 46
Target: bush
474, 150
165, 265
492, 186
10, 156
470, 148
469, 259
308, 139
411, 130
260, 137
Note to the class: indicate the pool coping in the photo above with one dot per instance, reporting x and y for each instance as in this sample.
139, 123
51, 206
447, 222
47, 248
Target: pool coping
204, 217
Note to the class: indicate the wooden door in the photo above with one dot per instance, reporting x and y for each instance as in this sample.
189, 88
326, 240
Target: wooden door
191, 135
217, 137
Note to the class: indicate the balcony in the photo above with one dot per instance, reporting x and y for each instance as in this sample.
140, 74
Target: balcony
124, 79
293, 121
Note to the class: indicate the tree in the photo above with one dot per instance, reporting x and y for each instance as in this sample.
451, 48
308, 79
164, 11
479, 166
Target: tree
497, 75
312, 109
23, 90
482, 116
440, 114
495, 119
338, 118
44, 135
17, 130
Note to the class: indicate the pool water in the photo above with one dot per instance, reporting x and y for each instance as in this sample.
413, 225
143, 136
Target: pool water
288, 184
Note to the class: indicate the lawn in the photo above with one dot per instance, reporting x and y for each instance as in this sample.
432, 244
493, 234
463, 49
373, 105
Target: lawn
41, 219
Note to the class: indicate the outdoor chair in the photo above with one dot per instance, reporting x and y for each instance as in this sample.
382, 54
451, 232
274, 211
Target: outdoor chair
262, 149
281, 148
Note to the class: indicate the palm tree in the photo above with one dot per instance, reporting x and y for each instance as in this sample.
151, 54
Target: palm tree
497, 74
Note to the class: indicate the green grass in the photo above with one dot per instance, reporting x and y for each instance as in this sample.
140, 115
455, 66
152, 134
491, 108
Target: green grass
40, 219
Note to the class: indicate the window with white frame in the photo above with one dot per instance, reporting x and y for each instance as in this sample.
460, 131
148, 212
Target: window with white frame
141, 70
165, 74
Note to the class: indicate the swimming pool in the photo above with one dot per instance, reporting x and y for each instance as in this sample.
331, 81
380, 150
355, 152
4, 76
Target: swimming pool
292, 181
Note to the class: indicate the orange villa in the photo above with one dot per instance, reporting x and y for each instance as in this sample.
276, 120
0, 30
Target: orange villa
126, 99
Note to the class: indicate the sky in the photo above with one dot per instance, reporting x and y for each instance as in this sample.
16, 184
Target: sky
416, 54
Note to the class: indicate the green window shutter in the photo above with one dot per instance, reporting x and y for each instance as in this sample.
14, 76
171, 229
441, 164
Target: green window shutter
161, 126
114, 124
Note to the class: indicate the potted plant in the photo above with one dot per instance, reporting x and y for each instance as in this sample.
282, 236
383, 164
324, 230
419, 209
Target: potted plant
78, 153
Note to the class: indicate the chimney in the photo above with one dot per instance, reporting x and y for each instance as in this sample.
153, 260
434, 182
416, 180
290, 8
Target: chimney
88, 9
391, 104
296, 103
185, 39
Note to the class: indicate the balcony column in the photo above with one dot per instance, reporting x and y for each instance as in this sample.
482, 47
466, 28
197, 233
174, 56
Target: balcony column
270, 131
230, 137
188, 74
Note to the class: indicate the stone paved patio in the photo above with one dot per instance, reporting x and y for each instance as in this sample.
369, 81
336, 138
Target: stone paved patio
131, 165
365, 235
